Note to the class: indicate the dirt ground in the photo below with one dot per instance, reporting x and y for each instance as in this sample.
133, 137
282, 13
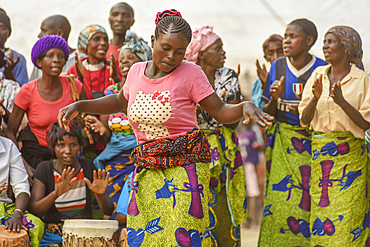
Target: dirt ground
249, 237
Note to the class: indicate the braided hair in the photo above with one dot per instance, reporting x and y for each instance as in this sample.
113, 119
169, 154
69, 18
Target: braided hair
171, 21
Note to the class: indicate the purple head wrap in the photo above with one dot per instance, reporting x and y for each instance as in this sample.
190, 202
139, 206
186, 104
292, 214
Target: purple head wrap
44, 44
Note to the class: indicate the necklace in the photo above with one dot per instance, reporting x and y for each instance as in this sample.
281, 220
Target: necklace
95, 67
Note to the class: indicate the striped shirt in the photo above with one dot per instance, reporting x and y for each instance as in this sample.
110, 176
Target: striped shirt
72, 203
367, 136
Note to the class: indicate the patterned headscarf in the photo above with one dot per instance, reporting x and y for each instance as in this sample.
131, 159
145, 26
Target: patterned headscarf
138, 46
86, 34
203, 37
351, 40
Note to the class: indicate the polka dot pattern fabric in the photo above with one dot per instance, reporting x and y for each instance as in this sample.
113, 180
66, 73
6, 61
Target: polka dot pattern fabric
151, 111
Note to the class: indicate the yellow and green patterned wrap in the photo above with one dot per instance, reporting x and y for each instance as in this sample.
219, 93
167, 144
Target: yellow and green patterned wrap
339, 190
34, 224
169, 207
227, 201
286, 214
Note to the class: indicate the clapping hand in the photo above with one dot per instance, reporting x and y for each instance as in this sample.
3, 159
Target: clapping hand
276, 88
317, 87
9, 66
80, 68
261, 72
113, 69
336, 93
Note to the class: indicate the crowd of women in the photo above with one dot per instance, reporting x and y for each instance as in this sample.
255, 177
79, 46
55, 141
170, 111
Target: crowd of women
146, 135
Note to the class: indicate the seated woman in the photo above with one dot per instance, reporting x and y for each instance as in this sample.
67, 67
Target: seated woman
40, 100
94, 70
116, 158
14, 215
67, 180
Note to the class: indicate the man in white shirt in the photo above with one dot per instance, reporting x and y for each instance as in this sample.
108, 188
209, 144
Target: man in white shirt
12, 170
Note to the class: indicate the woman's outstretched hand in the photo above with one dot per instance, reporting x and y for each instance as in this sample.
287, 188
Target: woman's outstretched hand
66, 114
251, 111
100, 182
65, 182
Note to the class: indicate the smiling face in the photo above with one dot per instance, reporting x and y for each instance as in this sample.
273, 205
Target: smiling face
126, 60
67, 150
334, 50
273, 51
97, 48
169, 51
296, 42
214, 55
53, 62
121, 19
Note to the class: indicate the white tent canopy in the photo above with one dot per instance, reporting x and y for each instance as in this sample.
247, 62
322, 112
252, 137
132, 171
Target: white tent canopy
242, 24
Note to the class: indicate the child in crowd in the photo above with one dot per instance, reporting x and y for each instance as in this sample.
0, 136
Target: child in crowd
272, 49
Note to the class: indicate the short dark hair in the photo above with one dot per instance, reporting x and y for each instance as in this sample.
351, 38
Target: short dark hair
55, 133
172, 23
307, 26
128, 5
272, 38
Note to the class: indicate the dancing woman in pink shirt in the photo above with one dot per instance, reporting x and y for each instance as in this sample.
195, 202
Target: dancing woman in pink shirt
168, 204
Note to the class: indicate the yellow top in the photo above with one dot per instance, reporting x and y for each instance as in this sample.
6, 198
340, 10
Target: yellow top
329, 117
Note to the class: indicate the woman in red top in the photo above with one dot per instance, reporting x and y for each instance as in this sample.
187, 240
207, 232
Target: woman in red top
94, 70
40, 100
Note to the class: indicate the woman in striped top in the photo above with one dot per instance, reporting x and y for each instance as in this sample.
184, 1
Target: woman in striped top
62, 187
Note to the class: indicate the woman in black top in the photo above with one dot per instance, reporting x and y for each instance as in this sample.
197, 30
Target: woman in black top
62, 187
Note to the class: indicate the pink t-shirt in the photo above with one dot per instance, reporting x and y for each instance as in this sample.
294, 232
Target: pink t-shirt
164, 107
42, 113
